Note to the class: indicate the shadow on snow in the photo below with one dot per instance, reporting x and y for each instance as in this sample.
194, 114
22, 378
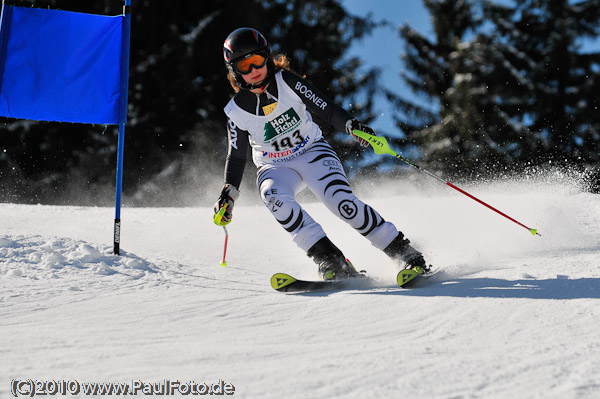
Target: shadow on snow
559, 288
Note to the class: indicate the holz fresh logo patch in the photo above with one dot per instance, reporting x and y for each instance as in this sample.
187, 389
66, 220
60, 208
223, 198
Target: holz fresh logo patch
284, 123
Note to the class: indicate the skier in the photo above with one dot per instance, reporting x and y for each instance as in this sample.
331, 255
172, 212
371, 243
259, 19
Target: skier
271, 112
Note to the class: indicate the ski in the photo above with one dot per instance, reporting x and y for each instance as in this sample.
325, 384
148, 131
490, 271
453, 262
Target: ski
285, 283
408, 277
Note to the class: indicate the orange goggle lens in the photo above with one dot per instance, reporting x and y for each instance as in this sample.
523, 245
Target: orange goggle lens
245, 65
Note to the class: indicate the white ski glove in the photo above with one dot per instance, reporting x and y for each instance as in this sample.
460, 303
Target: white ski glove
228, 196
353, 124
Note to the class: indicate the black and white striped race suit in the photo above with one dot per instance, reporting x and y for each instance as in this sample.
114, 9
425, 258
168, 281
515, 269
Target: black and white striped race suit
291, 154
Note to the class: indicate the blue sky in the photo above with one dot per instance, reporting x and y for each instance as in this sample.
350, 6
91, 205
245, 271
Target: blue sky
383, 47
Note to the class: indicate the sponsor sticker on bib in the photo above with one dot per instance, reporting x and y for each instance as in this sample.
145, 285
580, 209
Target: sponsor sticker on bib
283, 124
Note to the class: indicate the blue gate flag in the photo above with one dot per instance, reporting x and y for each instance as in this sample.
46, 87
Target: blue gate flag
61, 66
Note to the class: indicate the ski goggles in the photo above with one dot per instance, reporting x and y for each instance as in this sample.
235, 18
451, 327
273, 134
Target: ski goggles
245, 65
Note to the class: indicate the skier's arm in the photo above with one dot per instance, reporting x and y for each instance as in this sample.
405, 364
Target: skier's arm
237, 154
234, 170
316, 102
322, 107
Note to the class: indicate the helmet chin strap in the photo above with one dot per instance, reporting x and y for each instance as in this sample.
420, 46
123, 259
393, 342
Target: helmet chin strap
263, 83
258, 85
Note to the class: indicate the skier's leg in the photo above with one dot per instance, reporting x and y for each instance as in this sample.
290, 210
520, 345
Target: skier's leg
326, 178
323, 173
278, 187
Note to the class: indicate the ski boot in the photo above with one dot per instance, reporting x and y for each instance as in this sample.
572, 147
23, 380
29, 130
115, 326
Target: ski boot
332, 263
401, 252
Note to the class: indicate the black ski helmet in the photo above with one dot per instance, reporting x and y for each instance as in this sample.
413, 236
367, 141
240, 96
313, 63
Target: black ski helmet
240, 43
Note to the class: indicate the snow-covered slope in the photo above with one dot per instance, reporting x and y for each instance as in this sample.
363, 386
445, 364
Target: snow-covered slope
510, 316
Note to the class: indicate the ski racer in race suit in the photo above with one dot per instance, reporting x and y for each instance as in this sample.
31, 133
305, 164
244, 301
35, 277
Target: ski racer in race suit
272, 113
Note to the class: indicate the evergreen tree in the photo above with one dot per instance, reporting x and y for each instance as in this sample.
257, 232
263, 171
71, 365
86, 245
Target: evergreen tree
431, 71
561, 107
517, 93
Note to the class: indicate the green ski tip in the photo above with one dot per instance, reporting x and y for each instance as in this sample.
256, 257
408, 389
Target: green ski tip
533, 232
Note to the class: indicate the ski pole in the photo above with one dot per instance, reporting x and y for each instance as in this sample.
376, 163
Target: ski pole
218, 219
224, 262
381, 146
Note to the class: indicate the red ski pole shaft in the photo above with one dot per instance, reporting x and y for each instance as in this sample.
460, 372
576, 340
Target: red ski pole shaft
224, 262
532, 231
411, 163
381, 146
